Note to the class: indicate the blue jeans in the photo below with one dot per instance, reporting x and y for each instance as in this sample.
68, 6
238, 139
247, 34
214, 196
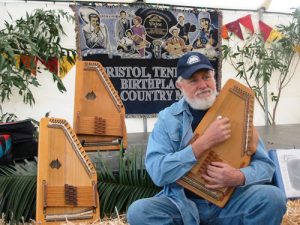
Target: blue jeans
252, 205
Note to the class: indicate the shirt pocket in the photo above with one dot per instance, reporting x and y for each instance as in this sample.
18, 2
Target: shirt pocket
175, 138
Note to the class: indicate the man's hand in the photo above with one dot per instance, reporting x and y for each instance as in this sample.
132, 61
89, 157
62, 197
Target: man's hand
220, 175
217, 132
97, 29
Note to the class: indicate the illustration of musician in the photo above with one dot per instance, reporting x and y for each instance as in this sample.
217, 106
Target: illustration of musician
139, 35
175, 45
122, 25
126, 44
208, 34
95, 33
184, 28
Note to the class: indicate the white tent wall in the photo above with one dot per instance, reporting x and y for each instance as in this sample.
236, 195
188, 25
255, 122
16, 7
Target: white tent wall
49, 99
289, 107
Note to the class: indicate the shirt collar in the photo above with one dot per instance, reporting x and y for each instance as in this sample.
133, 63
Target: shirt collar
180, 107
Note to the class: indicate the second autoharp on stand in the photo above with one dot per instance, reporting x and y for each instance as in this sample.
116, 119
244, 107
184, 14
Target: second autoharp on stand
99, 113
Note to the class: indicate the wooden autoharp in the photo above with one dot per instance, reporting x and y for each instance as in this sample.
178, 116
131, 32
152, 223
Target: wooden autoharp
99, 114
66, 179
236, 102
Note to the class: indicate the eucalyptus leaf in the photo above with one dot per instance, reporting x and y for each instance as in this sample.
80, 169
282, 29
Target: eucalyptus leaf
260, 63
37, 35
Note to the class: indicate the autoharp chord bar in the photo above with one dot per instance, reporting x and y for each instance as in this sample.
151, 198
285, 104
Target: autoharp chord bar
61, 196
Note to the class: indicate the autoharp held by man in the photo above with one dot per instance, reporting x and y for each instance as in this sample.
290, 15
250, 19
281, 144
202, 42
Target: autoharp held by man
235, 102
171, 156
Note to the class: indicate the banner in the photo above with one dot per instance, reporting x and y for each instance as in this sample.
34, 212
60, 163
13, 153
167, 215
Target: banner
139, 46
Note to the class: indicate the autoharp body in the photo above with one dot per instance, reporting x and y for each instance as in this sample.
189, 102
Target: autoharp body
236, 102
99, 114
66, 179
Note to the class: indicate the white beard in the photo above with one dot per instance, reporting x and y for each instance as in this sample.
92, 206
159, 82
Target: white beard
201, 103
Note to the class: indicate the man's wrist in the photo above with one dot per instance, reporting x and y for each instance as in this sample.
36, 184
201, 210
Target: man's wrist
241, 178
199, 147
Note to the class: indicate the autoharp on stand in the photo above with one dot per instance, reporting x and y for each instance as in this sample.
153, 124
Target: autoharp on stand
99, 114
236, 102
66, 179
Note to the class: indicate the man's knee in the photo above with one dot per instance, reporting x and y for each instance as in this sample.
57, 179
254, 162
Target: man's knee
155, 210
136, 212
274, 198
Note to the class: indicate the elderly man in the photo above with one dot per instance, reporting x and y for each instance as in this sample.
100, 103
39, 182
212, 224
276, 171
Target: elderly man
170, 156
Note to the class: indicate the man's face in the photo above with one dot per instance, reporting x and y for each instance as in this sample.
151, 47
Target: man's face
128, 34
95, 21
204, 23
181, 19
123, 15
200, 90
136, 21
175, 33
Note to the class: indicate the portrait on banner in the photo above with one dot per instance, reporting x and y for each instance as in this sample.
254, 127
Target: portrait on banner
139, 48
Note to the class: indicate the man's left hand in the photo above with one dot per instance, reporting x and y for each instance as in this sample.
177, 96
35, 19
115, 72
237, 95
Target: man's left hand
221, 175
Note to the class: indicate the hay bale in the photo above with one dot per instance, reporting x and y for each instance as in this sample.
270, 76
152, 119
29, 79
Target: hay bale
292, 215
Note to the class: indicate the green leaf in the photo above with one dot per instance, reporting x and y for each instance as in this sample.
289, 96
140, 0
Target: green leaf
18, 186
36, 35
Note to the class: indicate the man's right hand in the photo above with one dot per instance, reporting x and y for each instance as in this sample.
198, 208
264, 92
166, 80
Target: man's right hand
218, 131
97, 29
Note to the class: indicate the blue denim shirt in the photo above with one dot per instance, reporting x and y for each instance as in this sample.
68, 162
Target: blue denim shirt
169, 157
